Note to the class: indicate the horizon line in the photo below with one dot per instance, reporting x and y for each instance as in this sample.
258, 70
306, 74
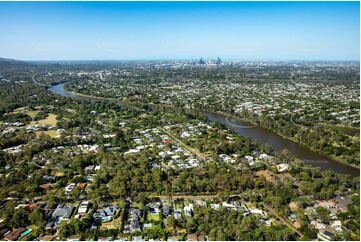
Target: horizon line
188, 59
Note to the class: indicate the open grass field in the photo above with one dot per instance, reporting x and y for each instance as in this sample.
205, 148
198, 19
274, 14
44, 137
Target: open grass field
25, 110
51, 133
21, 109
58, 173
266, 174
32, 114
50, 120
274, 178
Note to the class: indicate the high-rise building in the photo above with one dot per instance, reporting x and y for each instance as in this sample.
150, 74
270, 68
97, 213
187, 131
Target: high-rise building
201, 61
219, 61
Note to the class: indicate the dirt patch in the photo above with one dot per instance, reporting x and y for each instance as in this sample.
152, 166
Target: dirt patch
293, 206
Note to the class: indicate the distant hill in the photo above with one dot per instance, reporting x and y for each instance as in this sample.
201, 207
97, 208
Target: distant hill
9, 64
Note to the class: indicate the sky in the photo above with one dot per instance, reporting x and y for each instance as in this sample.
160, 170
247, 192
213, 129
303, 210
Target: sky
180, 30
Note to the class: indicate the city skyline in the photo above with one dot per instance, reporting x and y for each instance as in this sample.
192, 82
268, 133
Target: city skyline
180, 30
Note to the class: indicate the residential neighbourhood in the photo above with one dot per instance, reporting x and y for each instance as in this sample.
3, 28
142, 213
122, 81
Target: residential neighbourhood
146, 165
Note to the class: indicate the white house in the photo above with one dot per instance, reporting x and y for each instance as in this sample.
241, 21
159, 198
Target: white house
83, 207
69, 188
282, 167
188, 210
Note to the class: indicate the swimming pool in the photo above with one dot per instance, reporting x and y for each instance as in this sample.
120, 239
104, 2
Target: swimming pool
26, 232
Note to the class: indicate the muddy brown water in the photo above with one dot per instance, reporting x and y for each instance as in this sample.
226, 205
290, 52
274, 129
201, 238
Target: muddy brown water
261, 135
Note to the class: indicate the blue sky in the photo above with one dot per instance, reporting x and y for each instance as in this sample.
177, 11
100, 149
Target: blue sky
168, 30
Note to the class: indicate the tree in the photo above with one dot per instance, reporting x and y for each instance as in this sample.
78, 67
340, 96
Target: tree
191, 226
171, 223
36, 217
221, 236
323, 214
20, 218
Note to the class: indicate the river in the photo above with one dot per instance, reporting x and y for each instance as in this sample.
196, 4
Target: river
261, 135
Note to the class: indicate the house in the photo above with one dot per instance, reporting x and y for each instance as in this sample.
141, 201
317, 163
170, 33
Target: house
106, 214
248, 158
185, 135
131, 151
111, 210
47, 178
318, 225
282, 167
292, 217
178, 213
215, 206
46, 186
15, 234
3, 228
135, 213
81, 185
138, 238
192, 162
325, 235
62, 213
167, 141
201, 203
173, 238
50, 225
166, 210
133, 221
154, 211
202, 237
342, 202
257, 211
228, 205
227, 159
48, 237
60, 131
337, 226
69, 188
83, 207
192, 237
137, 141
162, 154
264, 157
266, 222
89, 168
188, 210
134, 226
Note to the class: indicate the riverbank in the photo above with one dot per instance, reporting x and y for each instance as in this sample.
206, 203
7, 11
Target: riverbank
305, 154
337, 159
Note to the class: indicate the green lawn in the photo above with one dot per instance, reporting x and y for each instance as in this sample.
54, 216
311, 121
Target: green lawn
32, 114
51, 133
50, 120
151, 217
178, 205
137, 205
